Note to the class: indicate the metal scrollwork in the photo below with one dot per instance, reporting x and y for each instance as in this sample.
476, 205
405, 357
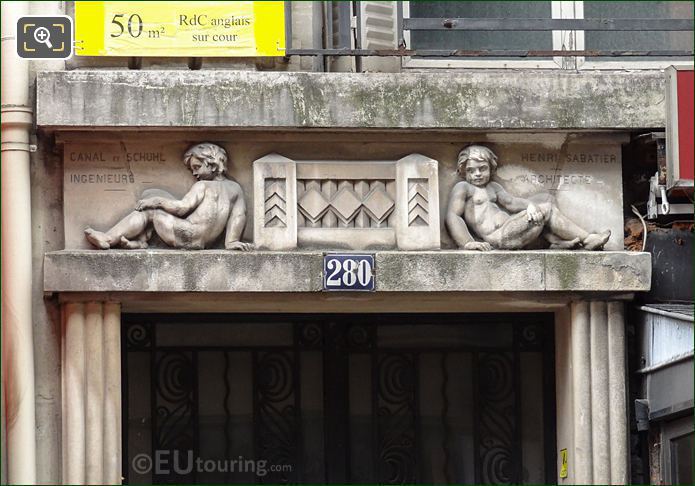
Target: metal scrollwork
310, 334
407, 428
360, 337
138, 336
529, 336
397, 418
275, 411
497, 424
175, 402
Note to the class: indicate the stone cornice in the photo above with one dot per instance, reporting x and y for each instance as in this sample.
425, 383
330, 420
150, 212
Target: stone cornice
301, 271
439, 100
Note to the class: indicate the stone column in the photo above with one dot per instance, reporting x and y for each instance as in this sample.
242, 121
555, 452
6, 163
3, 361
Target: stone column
92, 393
112, 393
600, 453
617, 394
581, 381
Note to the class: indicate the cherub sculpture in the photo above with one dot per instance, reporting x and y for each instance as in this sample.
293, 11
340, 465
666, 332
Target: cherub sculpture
503, 221
214, 204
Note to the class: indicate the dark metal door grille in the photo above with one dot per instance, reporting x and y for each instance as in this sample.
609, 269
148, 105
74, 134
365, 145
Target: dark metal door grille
397, 371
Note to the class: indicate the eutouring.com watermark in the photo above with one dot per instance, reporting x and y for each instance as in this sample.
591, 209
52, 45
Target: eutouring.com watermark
166, 462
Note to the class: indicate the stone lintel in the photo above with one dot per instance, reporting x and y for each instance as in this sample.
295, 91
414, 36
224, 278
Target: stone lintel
528, 100
301, 271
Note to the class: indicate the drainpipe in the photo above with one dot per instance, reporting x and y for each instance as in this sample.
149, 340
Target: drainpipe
17, 335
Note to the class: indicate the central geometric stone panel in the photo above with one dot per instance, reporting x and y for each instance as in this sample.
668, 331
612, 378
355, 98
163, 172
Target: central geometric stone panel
352, 204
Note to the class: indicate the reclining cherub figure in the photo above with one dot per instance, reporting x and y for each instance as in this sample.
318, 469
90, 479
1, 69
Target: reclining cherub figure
503, 221
214, 204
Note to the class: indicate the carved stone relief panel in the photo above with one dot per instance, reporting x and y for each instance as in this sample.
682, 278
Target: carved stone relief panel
418, 202
104, 181
274, 203
580, 178
584, 179
483, 208
375, 196
353, 205
345, 203
212, 207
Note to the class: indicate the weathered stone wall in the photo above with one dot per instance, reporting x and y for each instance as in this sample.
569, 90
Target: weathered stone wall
436, 112
47, 235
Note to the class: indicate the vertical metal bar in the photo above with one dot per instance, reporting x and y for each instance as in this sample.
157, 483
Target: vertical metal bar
376, 447
195, 411
153, 399
343, 25
328, 23
336, 402
288, 26
476, 418
227, 413
445, 412
357, 8
358, 24
518, 453
417, 453
255, 414
125, 407
399, 24
549, 411
317, 35
299, 449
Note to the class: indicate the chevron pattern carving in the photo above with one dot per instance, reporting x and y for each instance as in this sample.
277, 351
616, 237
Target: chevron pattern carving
275, 203
331, 203
418, 202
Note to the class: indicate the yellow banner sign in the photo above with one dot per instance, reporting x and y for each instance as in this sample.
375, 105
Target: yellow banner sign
174, 29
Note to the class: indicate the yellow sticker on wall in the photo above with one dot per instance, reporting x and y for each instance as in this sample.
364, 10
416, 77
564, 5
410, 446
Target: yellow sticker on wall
563, 463
174, 29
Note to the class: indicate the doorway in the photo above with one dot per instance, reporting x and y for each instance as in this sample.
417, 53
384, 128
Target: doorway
350, 398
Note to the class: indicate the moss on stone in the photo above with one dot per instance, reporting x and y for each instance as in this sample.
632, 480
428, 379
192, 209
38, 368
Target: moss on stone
471, 100
567, 269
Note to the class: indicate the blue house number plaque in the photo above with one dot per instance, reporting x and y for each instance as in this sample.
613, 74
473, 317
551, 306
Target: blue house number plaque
348, 272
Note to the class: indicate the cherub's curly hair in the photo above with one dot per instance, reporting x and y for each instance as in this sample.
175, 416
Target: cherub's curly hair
213, 154
478, 153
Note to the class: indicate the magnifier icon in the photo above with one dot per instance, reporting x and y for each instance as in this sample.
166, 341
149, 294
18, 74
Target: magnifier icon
43, 36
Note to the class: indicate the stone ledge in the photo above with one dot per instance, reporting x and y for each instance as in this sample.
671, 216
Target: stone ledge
518, 99
432, 271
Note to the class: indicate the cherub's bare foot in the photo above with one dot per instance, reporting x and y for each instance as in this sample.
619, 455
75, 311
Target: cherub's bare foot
595, 241
558, 244
133, 245
97, 238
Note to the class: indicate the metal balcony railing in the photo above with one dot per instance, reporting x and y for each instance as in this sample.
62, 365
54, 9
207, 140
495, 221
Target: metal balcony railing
345, 47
